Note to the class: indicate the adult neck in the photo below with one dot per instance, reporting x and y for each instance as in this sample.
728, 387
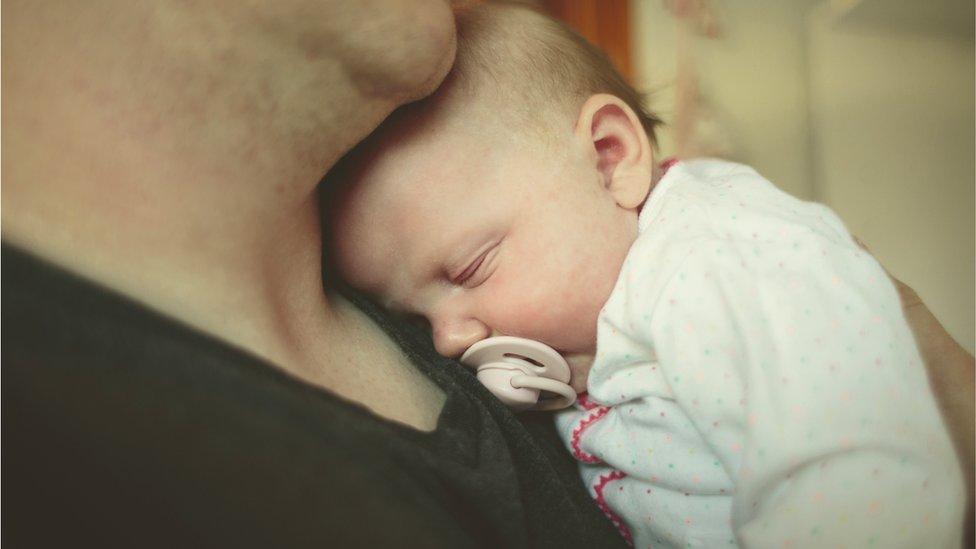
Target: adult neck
233, 254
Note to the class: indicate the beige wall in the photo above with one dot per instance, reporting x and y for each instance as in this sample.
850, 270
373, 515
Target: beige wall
865, 110
892, 120
754, 78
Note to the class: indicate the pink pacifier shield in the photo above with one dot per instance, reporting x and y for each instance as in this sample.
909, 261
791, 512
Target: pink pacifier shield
517, 370
550, 364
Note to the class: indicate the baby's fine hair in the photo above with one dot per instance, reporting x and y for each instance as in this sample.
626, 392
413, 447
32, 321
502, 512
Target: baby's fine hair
509, 52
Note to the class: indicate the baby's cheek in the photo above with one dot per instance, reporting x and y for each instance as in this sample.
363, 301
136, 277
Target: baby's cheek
583, 298
523, 306
555, 300
528, 307
569, 318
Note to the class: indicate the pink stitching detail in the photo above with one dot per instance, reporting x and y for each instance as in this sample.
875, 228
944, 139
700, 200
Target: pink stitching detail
583, 399
578, 452
602, 504
666, 165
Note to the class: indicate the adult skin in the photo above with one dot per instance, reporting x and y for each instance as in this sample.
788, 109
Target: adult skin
171, 151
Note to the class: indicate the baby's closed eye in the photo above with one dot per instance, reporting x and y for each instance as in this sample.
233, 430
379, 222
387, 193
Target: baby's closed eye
478, 270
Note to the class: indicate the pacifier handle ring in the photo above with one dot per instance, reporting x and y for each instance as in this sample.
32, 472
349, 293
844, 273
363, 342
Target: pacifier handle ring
567, 396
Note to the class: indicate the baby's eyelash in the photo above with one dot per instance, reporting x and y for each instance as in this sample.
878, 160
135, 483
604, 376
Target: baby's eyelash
471, 269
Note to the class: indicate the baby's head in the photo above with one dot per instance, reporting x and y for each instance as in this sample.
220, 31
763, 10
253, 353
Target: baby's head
506, 202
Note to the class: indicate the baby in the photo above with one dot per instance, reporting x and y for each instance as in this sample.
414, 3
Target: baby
749, 377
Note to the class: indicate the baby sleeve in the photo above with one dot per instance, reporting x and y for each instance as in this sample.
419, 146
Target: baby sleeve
793, 360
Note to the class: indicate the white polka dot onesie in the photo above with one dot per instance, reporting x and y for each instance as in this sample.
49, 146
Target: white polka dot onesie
756, 384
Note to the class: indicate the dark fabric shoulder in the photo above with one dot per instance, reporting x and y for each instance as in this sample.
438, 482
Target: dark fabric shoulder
124, 428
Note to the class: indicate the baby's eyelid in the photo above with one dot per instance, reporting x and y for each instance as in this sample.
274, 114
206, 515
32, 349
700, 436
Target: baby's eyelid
483, 269
471, 269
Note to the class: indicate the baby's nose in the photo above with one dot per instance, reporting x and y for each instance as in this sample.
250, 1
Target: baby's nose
452, 339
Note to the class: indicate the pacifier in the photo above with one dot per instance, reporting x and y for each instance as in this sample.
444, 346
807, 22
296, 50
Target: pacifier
518, 371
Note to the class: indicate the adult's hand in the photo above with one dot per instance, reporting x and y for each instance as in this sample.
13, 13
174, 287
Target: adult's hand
952, 375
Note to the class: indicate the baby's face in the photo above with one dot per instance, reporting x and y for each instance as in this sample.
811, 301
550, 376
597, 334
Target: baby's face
484, 236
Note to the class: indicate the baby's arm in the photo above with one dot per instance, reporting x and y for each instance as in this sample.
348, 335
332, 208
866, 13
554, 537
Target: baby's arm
793, 358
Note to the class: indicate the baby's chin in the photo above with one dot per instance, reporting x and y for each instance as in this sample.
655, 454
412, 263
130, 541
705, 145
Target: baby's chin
579, 368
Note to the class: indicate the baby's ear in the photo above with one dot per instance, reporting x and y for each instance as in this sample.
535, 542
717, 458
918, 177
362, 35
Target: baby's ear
624, 158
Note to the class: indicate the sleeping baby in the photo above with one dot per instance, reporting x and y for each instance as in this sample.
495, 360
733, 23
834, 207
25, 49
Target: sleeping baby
745, 372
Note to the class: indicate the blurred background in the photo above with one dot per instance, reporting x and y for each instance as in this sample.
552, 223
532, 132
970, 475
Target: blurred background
864, 105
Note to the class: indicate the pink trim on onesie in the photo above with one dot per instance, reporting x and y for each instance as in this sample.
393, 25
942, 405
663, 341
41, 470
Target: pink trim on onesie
583, 399
602, 504
583, 425
666, 165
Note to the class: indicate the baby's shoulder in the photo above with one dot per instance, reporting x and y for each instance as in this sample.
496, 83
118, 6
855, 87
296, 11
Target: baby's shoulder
715, 184
706, 199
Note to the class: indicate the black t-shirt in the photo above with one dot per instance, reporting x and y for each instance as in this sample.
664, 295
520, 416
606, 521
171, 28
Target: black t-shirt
122, 427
